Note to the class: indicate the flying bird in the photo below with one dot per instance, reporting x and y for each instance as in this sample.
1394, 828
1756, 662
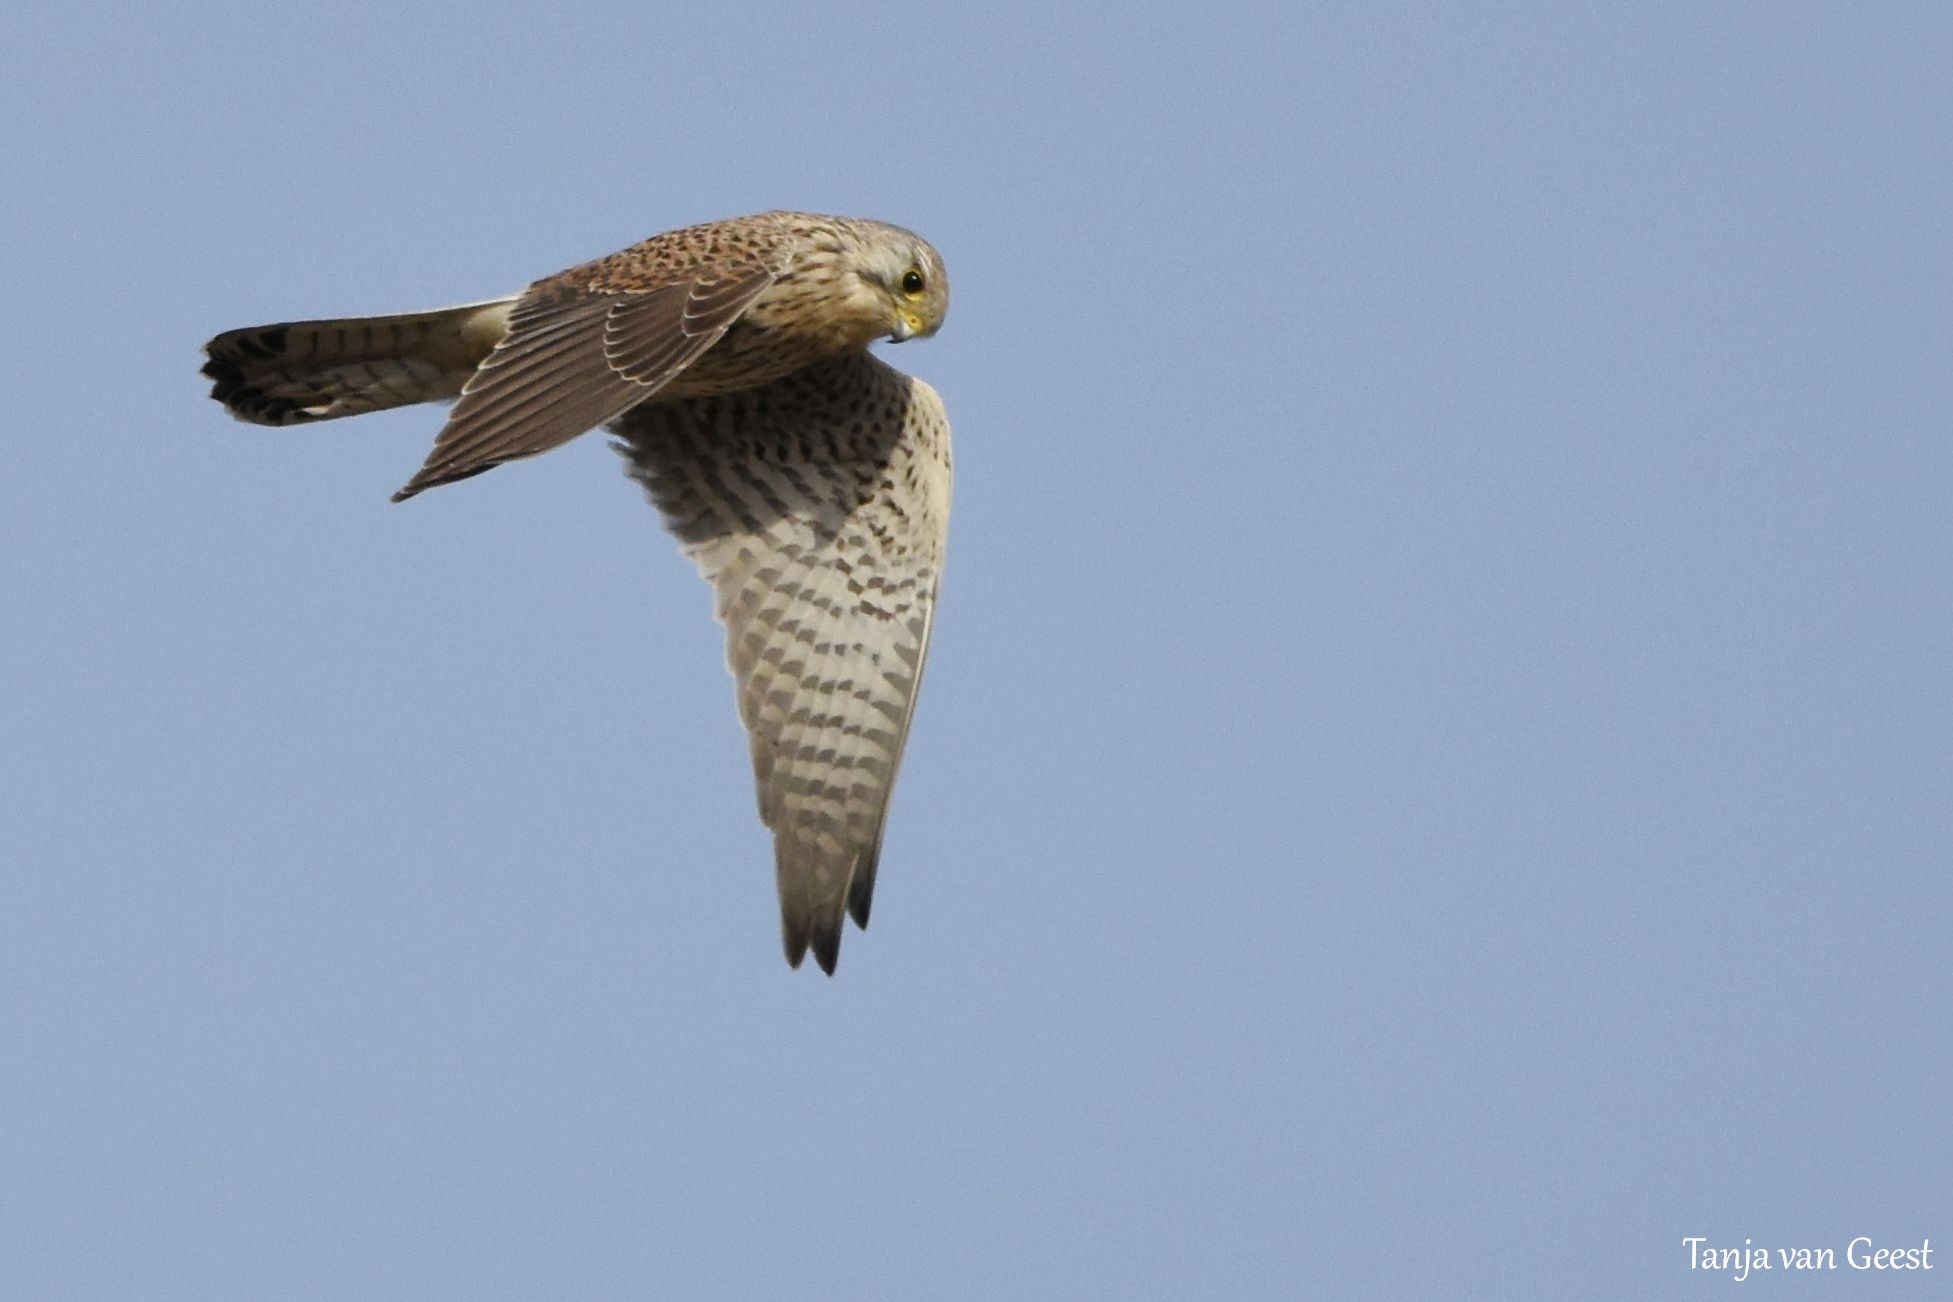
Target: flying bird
808, 480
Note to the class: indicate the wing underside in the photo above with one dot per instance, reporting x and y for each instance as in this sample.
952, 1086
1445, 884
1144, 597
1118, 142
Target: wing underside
817, 506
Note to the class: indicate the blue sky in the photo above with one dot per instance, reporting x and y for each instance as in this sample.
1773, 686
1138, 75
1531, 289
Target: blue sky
1434, 775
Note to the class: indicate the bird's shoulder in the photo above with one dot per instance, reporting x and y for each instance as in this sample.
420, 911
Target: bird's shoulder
734, 249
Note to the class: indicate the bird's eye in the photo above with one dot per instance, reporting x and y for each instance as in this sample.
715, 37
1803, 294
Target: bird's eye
912, 282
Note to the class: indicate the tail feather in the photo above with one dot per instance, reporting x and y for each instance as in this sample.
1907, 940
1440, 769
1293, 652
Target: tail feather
299, 371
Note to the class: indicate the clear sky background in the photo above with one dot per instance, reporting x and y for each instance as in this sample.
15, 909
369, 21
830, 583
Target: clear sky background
1436, 774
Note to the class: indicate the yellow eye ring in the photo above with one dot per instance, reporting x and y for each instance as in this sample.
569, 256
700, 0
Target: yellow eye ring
912, 283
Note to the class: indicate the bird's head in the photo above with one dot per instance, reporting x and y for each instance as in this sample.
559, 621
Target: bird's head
907, 273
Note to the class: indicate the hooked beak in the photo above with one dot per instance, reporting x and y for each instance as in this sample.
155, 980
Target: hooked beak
907, 326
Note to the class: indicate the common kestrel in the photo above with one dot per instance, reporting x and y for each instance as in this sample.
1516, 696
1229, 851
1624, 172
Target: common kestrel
808, 480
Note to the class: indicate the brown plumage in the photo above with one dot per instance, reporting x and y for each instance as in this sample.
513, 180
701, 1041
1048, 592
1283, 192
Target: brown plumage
808, 480
816, 506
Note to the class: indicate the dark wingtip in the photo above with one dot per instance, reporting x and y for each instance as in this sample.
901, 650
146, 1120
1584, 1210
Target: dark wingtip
861, 891
827, 949
824, 941
425, 480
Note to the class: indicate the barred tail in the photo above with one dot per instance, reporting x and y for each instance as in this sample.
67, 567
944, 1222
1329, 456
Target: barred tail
299, 371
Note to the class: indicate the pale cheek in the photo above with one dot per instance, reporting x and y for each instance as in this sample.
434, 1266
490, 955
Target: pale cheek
866, 316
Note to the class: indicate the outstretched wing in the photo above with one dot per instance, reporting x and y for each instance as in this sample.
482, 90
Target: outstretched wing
817, 506
583, 348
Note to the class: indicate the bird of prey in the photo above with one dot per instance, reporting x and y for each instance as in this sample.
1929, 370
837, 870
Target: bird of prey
808, 480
